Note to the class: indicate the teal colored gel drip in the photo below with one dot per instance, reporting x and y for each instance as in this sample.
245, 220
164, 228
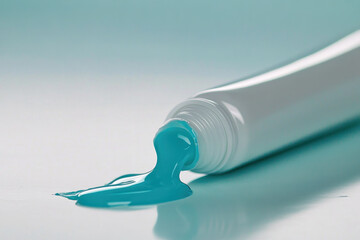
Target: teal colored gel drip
176, 148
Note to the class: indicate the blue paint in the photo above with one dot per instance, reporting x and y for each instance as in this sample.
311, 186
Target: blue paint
176, 148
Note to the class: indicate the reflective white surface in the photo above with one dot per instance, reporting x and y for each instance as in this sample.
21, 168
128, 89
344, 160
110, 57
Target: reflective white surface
85, 85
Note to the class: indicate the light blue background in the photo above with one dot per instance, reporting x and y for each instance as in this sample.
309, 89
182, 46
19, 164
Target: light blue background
84, 85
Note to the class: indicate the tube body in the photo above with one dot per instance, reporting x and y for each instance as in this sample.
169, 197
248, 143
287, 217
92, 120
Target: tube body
242, 121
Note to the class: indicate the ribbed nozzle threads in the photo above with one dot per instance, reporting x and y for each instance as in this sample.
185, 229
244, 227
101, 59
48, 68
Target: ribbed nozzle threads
213, 130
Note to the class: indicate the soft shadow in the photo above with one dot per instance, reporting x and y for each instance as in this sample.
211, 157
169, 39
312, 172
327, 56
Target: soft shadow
239, 203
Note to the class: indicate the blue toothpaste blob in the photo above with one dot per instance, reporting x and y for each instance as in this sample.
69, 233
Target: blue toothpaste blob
176, 148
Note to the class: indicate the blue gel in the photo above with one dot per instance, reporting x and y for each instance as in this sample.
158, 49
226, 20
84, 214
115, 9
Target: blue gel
176, 148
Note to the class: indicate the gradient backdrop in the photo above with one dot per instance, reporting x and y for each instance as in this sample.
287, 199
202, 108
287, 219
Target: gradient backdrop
84, 85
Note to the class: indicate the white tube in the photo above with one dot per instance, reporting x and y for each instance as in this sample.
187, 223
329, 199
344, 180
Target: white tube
242, 121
